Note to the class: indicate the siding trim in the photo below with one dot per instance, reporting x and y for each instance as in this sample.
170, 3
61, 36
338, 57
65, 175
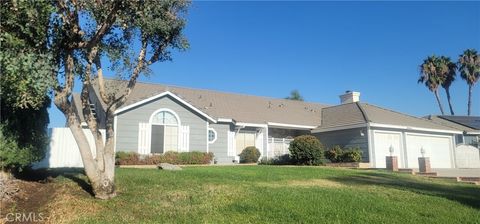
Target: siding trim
282, 125
338, 128
413, 128
166, 93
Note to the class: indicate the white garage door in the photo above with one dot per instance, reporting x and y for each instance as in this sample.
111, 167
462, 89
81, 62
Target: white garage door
438, 148
382, 142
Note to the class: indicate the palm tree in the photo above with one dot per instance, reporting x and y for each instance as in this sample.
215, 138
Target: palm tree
469, 67
295, 95
429, 74
447, 70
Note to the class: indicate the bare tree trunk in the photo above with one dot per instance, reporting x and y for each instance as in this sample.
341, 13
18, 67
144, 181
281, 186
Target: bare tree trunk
102, 184
447, 90
469, 100
438, 101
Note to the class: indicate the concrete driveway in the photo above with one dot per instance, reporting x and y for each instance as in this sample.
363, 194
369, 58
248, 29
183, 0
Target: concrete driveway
474, 172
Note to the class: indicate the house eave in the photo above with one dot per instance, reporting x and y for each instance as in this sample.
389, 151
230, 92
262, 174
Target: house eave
166, 93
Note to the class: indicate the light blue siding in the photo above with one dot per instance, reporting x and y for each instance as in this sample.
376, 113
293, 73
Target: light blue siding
127, 124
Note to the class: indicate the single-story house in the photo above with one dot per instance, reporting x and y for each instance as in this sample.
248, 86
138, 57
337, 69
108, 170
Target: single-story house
159, 118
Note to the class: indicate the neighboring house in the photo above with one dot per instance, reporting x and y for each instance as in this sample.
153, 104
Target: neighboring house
469, 125
159, 118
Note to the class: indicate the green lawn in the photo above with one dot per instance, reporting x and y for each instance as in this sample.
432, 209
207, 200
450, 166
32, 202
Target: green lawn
270, 194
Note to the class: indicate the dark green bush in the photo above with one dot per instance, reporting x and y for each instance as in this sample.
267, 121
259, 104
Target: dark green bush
306, 150
182, 158
334, 154
352, 155
24, 137
249, 155
338, 155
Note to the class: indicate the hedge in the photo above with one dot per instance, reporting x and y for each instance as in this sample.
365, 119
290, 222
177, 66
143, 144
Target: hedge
179, 158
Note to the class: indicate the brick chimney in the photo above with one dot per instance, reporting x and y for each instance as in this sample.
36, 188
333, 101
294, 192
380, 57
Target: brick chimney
349, 97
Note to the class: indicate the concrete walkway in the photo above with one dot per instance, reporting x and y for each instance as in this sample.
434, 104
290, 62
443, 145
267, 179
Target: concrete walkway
474, 172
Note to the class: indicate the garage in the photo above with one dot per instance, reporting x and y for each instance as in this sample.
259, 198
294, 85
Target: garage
438, 148
383, 140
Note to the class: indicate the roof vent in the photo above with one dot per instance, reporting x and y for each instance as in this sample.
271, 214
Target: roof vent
349, 97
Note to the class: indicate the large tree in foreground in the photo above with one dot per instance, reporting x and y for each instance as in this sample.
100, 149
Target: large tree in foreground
130, 36
469, 67
431, 77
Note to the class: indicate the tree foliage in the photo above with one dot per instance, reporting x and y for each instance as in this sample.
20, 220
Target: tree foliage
130, 36
26, 66
295, 95
431, 76
469, 67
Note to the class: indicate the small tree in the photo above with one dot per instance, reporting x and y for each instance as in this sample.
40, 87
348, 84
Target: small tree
295, 95
306, 150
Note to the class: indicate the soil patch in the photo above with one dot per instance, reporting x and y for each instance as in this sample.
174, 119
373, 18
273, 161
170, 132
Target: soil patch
28, 205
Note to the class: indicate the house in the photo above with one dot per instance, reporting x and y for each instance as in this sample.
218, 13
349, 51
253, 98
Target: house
159, 118
467, 150
469, 125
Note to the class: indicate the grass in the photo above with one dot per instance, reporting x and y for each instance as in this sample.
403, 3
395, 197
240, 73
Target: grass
269, 194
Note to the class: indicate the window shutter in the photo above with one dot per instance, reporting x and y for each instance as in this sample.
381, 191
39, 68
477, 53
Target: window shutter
144, 138
184, 138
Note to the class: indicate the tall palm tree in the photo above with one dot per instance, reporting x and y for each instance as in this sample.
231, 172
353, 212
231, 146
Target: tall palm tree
469, 67
447, 69
429, 75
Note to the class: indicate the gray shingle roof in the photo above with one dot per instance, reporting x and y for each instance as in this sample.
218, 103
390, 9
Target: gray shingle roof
260, 110
449, 121
362, 113
239, 107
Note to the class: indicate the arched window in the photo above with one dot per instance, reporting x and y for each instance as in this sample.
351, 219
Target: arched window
164, 118
165, 126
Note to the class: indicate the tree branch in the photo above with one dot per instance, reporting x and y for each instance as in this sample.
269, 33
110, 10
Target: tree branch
101, 82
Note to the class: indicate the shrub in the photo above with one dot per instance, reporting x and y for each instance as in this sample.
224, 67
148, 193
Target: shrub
24, 138
338, 155
306, 150
352, 155
127, 158
334, 154
182, 158
249, 155
279, 160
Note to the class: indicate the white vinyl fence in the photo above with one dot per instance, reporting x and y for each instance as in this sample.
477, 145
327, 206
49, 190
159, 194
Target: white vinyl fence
63, 150
278, 147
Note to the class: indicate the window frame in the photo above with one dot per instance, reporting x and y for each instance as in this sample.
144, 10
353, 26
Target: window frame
215, 136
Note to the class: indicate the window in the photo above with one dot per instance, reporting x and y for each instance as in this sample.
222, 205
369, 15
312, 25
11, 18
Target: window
212, 135
164, 118
165, 130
